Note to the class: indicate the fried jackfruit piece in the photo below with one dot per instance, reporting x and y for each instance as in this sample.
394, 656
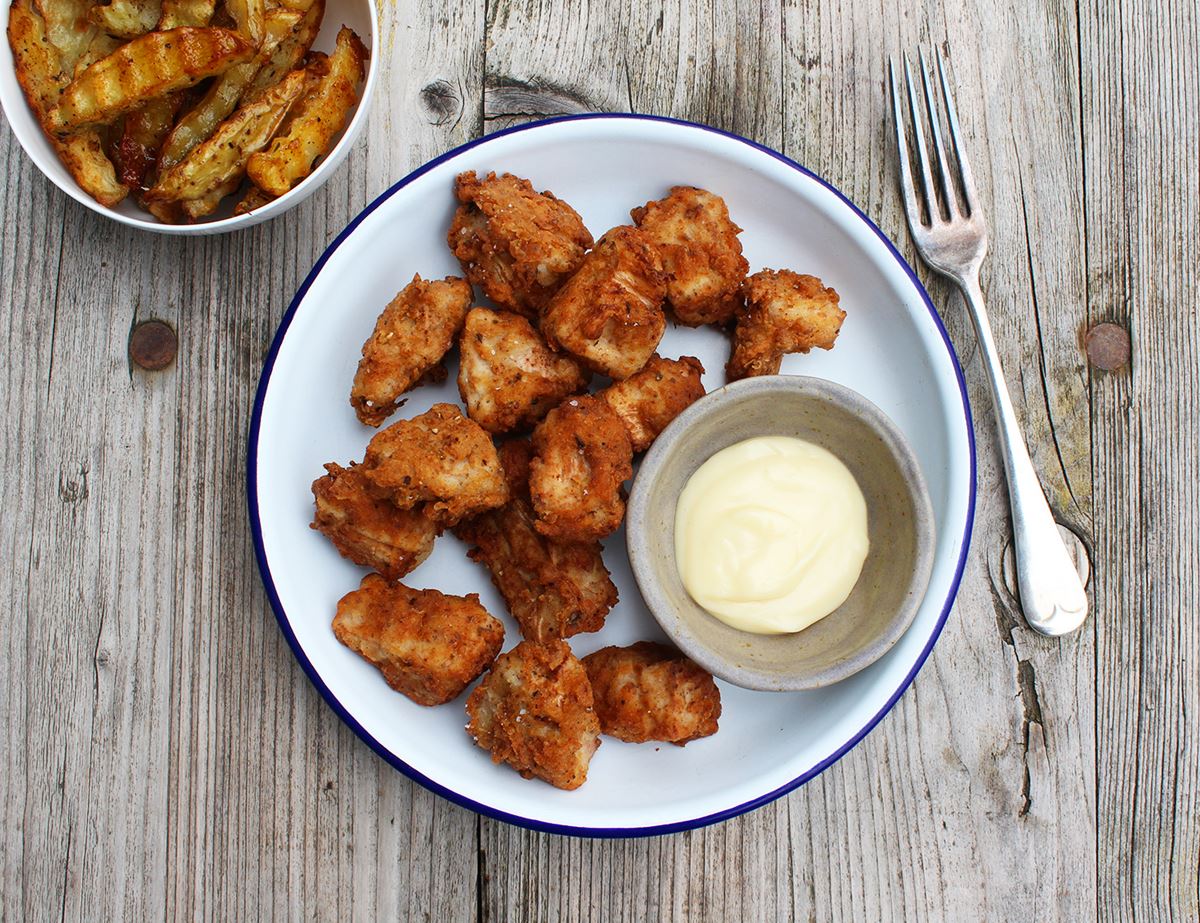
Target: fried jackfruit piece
151, 65
508, 377
582, 456
516, 244
369, 531
609, 314
649, 691
316, 121
785, 312
648, 400
412, 335
533, 710
427, 645
700, 251
553, 589
439, 458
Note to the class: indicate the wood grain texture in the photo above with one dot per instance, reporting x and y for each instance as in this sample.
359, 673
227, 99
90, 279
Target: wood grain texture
1141, 89
162, 756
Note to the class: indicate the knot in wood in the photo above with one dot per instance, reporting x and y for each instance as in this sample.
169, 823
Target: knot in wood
441, 102
1107, 346
152, 345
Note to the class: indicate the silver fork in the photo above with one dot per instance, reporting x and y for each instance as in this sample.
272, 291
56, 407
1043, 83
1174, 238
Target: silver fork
952, 238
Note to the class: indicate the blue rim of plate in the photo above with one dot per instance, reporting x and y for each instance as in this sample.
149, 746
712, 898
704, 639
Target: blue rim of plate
344, 714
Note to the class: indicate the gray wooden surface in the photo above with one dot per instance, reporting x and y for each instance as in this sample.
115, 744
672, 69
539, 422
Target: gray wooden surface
162, 756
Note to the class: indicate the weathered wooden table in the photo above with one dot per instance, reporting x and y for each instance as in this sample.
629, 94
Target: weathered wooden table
163, 756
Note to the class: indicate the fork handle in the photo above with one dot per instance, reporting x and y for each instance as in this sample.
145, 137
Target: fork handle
1052, 593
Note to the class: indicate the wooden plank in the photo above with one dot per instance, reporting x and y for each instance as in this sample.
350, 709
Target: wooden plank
96, 665
30, 251
281, 812
991, 753
164, 755
1141, 83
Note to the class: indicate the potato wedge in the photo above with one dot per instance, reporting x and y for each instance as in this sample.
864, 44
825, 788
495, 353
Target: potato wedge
249, 15
136, 151
222, 97
289, 53
195, 209
176, 13
318, 118
67, 28
39, 71
151, 65
101, 46
254, 198
223, 156
127, 18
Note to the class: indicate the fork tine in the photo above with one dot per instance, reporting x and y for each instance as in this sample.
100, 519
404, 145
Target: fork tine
908, 191
922, 154
960, 152
939, 147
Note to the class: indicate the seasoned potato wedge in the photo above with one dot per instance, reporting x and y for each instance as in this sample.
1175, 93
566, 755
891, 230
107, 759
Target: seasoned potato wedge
248, 14
176, 13
39, 71
68, 28
195, 209
136, 151
127, 18
198, 124
223, 156
319, 117
254, 198
101, 46
288, 53
149, 66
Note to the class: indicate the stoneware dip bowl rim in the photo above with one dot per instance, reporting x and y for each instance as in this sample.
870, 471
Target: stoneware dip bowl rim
651, 547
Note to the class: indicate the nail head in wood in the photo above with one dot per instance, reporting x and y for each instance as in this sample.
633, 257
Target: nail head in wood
152, 345
1107, 346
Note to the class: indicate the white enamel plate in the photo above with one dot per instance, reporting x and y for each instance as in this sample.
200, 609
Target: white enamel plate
892, 349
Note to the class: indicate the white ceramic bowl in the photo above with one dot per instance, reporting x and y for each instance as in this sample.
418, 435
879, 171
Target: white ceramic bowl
359, 15
892, 350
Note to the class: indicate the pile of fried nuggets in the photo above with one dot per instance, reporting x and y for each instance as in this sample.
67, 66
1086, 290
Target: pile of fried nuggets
534, 509
180, 101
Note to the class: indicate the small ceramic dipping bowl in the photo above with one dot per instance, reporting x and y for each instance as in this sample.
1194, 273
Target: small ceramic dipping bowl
899, 521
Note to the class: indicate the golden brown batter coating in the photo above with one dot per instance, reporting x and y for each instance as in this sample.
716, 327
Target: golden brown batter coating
412, 335
650, 399
533, 710
609, 314
367, 530
516, 244
785, 312
553, 589
508, 377
582, 456
427, 645
700, 251
439, 458
649, 691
